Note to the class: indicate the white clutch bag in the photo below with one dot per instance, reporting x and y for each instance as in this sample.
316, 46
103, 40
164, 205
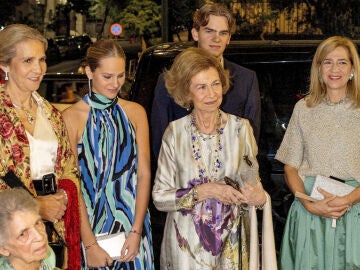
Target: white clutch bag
112, 243
337, 187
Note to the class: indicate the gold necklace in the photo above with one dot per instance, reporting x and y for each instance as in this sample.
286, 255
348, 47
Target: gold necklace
30, 118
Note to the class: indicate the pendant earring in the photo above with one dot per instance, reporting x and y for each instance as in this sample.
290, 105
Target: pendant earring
89, 82
6, 76
351, 76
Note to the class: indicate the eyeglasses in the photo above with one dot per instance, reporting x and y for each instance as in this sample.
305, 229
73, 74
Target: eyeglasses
25, 234
341, 64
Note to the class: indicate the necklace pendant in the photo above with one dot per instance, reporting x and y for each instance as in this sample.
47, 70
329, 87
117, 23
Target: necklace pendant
30, 119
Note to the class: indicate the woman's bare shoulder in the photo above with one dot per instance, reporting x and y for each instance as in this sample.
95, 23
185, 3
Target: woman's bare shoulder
131, 107
76, 112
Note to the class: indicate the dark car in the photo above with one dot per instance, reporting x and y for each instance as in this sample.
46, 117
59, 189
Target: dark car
52, 53
282, 69
53, 85
73, 47
62, 43
82, 43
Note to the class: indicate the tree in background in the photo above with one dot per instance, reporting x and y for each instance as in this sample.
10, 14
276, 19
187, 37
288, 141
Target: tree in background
331, 17
180, 15
141, 18
107, 10
63, 11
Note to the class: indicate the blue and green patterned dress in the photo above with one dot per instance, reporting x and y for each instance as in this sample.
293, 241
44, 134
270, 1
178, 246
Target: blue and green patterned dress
108, 165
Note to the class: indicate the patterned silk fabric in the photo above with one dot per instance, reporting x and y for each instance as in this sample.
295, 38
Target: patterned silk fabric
209, 234
15, 148
108, 165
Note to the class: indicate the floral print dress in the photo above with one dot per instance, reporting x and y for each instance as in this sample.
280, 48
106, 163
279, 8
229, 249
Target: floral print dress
209, 234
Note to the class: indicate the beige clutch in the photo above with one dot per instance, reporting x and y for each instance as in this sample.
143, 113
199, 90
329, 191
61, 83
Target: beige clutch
112, 243
336, 187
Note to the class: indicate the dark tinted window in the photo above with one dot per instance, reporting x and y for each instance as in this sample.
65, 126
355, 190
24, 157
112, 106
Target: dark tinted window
52, 85
147, 74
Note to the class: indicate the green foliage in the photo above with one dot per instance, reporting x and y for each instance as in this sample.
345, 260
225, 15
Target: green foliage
141, 19
181, 12
331, 17
180, 16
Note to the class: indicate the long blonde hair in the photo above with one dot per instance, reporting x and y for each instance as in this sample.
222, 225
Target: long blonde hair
317, 90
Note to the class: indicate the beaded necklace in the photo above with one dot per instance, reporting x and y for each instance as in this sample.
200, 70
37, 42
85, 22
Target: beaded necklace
341, 101
216, 148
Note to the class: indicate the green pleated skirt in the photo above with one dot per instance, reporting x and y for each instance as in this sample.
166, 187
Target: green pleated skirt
311, 243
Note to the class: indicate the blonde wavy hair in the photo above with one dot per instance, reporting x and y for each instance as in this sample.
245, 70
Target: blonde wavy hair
186, 65
317, 90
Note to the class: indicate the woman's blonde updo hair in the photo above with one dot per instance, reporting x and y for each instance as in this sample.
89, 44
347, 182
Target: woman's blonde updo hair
101, 49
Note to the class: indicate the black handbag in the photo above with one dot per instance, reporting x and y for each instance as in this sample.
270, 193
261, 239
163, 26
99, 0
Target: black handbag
46, 186
56, 242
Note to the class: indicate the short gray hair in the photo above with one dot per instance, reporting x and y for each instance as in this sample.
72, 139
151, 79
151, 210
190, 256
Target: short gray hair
14, 200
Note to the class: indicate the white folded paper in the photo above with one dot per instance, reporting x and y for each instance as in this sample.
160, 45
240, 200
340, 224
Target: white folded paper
330, 185
112, 243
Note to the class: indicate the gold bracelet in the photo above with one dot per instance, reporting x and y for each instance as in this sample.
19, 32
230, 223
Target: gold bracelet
65, 195
90, 245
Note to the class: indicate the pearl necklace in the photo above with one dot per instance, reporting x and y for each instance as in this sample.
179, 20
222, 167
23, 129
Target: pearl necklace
30, 118
216, 148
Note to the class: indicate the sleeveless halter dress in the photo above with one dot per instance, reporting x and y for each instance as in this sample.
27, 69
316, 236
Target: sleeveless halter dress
108, 164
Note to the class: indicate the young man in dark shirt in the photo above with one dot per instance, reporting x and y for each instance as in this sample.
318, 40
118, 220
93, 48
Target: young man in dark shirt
212, 28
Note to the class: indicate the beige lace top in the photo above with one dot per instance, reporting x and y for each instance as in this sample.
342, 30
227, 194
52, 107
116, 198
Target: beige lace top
323, 140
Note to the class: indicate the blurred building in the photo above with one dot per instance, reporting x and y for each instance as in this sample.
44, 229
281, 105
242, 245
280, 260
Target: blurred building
42, 15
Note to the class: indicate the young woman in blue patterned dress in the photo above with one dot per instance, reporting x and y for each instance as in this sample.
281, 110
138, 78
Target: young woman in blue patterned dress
110, 137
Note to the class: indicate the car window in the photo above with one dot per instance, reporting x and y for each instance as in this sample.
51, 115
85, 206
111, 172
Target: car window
63, 88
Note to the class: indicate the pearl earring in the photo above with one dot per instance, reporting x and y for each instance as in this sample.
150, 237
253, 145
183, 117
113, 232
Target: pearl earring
351, 76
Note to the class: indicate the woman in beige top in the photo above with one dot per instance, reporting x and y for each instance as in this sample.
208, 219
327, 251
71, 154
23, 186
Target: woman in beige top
322, 139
